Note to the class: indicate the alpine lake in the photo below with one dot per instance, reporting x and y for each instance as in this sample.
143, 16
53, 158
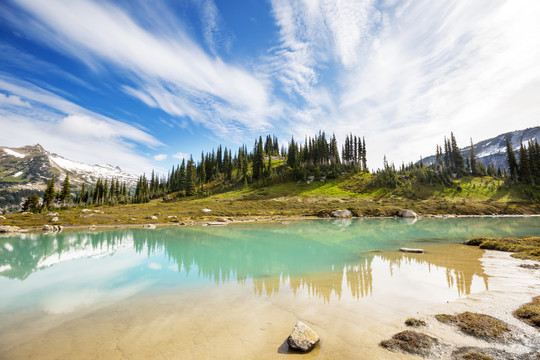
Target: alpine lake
236, 291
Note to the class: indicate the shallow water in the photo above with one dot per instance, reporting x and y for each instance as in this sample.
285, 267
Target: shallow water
235, 291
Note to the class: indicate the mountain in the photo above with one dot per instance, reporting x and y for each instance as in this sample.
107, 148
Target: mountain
493, 150
26, 169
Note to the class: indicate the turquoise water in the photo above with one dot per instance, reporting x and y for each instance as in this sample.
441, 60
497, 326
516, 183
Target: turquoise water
43, 270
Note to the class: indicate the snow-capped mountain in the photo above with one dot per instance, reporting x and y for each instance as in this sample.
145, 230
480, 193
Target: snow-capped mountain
30, 167
493, 150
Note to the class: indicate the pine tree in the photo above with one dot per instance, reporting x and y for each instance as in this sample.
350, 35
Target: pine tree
511, 159
524, 169
473, 165
258, 160
48, 197
65, 195
191, 178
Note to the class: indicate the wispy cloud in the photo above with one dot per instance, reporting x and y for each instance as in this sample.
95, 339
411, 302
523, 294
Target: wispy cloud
216, 35
171, 73
67, 128
406, 73
160, 157
181, 156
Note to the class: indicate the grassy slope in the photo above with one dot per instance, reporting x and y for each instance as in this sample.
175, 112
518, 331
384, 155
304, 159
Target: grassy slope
471, 196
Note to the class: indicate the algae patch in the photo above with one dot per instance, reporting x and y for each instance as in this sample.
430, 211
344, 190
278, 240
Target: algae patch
527, 247
411, 342
478, 325
530, 312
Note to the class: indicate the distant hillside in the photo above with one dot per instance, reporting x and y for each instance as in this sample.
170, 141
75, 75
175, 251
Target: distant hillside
493, 150
26, 169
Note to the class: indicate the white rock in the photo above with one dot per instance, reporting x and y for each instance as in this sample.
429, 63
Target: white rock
2, 217
407, 214
151, 217
149, 226
341, 214
54, 219
206, 210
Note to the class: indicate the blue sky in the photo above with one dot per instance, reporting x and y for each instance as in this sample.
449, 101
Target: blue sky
140, 84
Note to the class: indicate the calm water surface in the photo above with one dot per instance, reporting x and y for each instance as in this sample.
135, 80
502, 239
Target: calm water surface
295, 270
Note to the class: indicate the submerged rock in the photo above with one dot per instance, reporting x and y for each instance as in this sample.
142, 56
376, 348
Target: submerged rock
303, 338
409, 250
9, 229
341, 214
407, 214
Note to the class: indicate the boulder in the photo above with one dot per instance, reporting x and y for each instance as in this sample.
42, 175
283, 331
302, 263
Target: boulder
52, 214
9, 229
158, 214
86, 210
303, 338
149, 226
407, 214
52, 228
151, 217
341, 214
54, 219
2, 217
206, 210
223, 220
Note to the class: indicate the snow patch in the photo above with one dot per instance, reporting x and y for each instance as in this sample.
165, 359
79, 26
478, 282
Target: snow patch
17, 174
14, 153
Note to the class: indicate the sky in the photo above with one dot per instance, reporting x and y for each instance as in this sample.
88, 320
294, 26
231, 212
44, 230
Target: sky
144, 83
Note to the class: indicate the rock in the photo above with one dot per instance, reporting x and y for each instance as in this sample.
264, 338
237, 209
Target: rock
26, 213
2, 217
9, 229
158, 214
206, 210
149, 226
216, 223
182, 224
132, 219
151, 217
86, 210
341, 214
54, 219
303, 338
223, 220
52, 228
407, 214
172, 217
92, 227
52, 214
409, 250
97, 211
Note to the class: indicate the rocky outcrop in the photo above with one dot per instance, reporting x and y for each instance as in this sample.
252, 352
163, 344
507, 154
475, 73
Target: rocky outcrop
407, 214
303, 338
52, 228
9, 229
342, 214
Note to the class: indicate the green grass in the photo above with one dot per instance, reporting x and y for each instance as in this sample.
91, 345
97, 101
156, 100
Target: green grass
279, 198
523, 248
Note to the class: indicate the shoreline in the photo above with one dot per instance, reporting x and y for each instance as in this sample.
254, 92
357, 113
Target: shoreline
211, 221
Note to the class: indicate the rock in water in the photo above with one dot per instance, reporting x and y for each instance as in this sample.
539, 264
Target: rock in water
407, 214
414, 251
341, 214
303, 338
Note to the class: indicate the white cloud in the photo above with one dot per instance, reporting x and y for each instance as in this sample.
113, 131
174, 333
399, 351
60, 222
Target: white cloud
12, 100
181, 156
65, 128
408, 73
160, 157
171, 72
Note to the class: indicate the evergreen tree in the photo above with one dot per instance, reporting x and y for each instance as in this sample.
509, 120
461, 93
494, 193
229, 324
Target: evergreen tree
258, 160
31, 203
65, 194
473, 165
523, 167
49, 195
511, 159
191, 178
